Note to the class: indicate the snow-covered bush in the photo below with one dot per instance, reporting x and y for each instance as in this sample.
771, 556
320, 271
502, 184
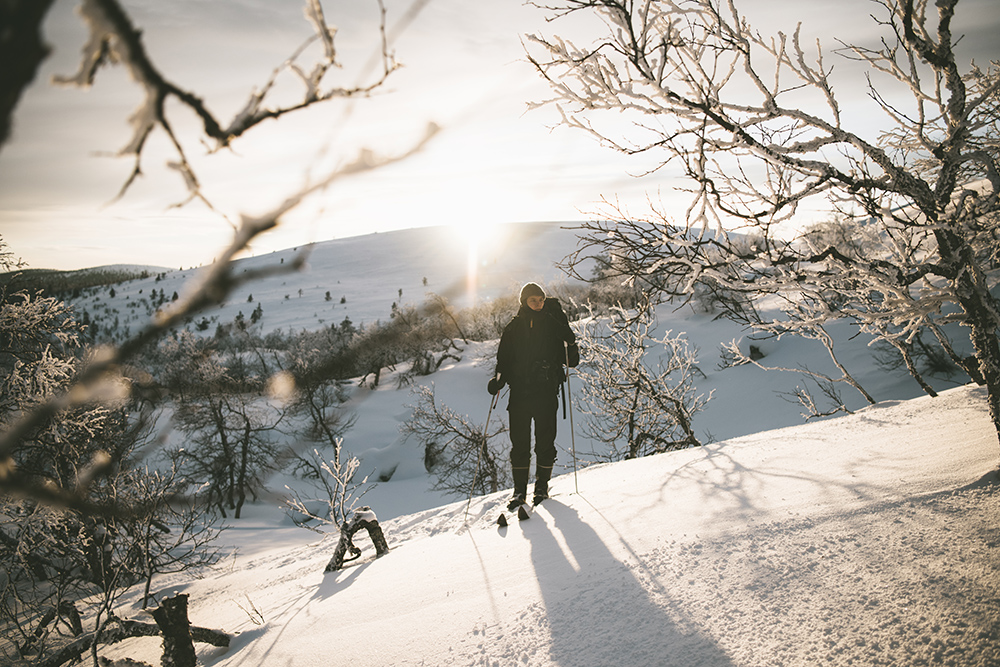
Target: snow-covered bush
463, 455
639, 392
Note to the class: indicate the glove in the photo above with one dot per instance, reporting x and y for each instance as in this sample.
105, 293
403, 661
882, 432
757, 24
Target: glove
495, 385
572, 355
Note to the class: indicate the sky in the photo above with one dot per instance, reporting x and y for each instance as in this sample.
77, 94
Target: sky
464, 69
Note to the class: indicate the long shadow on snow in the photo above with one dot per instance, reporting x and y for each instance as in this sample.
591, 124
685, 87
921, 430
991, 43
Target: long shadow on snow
601, 614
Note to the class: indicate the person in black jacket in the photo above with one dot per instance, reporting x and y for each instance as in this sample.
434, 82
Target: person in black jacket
533, 348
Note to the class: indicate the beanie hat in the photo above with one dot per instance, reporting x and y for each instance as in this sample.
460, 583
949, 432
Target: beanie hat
531, 289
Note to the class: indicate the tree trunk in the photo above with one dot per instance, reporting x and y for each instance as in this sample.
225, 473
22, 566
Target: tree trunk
912, 367
241, 480
634, 439
363, 518
980, 310
116, 630
146, 587
172, 618
984, 341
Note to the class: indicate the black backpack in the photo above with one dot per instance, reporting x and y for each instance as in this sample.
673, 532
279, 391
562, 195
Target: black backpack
554, 308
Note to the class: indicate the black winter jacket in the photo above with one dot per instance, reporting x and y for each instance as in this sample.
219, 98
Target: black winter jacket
531, 352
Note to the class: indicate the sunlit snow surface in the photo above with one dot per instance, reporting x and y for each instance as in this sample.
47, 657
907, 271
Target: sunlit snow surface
867, 539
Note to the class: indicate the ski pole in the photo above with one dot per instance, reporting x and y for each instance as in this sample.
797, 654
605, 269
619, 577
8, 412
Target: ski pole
479, 454
572, 433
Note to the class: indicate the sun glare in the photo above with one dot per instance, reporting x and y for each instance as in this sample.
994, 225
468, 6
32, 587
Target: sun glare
478, 238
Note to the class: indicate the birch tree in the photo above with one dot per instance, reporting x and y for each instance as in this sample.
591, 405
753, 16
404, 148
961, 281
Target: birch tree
756, 129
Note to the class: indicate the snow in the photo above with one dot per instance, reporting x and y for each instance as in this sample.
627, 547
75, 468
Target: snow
866, 539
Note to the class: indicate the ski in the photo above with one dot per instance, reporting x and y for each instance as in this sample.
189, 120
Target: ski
524, 513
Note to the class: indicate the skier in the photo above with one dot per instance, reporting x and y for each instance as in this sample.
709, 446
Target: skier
533, 348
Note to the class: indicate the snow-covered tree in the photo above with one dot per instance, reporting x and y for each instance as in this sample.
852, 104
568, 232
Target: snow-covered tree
39, 344
754, 124
8, 261
77, 518
164, 536
638, 390
335, 482
233, 446
318, 362
422, 337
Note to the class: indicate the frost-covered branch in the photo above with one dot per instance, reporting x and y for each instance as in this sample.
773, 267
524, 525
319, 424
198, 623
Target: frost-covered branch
755, 126
114, 39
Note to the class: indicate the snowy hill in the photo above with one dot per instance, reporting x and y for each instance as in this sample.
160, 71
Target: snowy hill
870, 539
866, 539
370, 272
362, 277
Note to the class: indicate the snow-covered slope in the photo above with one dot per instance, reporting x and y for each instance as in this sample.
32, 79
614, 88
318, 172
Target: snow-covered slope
866, 539
361, 277
870, 539
370, 272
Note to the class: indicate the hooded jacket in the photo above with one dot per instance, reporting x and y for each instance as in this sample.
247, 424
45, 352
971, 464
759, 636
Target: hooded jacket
531, 352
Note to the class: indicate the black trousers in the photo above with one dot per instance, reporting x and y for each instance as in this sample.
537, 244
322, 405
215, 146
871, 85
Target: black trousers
526, 406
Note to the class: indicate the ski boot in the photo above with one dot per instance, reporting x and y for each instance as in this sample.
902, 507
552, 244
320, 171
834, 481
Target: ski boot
516, 501
541, 490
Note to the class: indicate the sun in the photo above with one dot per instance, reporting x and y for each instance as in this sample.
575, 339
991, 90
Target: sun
477, 234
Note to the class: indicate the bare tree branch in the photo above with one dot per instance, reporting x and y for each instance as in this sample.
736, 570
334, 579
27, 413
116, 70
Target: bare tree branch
113, 38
